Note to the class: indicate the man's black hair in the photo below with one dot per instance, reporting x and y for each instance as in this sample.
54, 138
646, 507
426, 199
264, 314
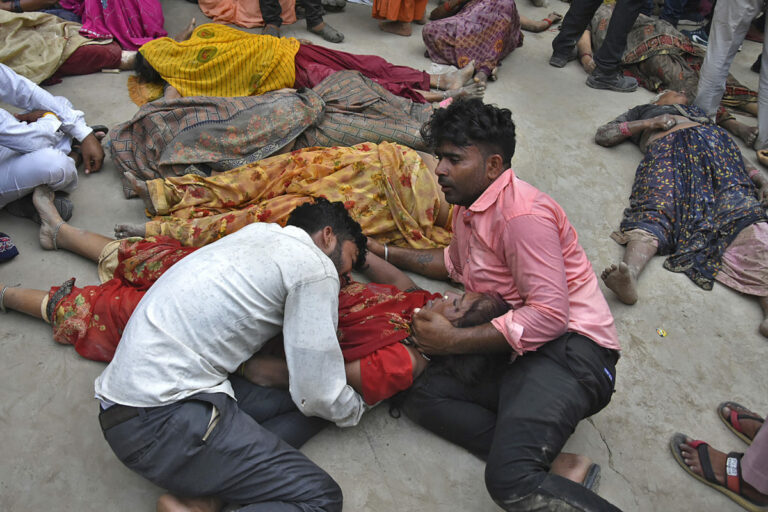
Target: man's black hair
145, 71
314, 216
470, 122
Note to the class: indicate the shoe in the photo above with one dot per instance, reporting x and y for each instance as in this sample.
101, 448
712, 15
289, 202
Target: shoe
559, 60
611, 81
758, 64
698, 37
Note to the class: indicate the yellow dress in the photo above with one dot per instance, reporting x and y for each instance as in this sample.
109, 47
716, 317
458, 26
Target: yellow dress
223, 61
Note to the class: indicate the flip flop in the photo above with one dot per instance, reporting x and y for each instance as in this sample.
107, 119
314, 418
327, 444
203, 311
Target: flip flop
25, 208
732, 489
592, 479
733, 420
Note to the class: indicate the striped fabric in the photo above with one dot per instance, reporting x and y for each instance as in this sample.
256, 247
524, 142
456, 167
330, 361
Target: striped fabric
223, 61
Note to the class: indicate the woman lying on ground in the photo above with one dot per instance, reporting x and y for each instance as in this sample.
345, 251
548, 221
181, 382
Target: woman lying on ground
662, 58
693, 199
58, 49
483, 31
197, 134
389, 189
374, 319
222, 61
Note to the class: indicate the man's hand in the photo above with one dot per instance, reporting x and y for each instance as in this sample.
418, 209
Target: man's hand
433, 333
30, 117
663, 122
93, 154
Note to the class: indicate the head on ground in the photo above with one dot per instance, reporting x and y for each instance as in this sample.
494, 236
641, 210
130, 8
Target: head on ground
468, 309
332, 229
145, 71
671, 98
474, 143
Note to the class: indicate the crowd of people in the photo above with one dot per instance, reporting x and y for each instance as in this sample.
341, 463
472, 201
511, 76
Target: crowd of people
270, 168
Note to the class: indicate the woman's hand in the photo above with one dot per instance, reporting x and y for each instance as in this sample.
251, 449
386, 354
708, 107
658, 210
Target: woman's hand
663, 122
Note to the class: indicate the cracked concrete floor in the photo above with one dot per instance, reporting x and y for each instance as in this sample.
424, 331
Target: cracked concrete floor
52, 451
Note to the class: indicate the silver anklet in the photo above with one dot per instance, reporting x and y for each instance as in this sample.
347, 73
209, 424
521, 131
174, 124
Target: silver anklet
438, 81
2, 296
56, 234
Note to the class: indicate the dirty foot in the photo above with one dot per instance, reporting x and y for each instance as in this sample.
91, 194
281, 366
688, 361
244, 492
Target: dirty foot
184, 34
140, 187
621, 281
401, 28
50, 219
457, 79
129, 230
481, 78
475, 90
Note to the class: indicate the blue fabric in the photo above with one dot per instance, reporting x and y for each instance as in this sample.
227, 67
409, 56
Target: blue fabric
7, 249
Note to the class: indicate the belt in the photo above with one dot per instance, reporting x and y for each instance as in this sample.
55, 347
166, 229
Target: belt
116, 415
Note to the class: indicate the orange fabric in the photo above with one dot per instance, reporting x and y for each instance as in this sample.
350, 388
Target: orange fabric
244, 13
398, 10
385, 372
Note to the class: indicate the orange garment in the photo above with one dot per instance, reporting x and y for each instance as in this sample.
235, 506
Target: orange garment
399, 10
244, 13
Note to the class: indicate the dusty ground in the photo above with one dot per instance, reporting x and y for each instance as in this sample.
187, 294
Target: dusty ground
54, 457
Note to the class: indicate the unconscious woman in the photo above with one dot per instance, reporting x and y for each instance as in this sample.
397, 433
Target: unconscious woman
662, 58
693, 199
374, 319
202, 134
217, 60
391, 190
483, 31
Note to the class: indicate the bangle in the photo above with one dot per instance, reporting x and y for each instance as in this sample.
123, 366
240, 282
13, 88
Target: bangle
753, 172
49, 112
624, 129
549, 21
2, 296
386, 253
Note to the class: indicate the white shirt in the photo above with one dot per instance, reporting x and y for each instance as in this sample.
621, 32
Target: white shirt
22, 137
218, 306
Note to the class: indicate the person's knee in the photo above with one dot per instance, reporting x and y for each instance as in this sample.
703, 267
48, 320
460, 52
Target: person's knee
512, 477
331, 498
58, 169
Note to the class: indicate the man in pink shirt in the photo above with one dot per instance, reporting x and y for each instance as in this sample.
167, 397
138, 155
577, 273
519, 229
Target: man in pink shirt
553, 355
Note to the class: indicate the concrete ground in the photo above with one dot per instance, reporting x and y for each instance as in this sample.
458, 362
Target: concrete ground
54, 457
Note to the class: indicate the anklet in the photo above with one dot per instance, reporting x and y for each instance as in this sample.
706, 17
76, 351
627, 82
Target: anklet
56, 234
386, 253
438, 81
2, 296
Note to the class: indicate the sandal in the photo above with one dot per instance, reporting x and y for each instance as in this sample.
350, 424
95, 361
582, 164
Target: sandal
733, 420
734, 481
271, 30
24, 208
328, 33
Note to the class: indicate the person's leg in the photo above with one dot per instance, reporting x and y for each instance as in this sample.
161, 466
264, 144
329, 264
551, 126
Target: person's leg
21, 173
23, 300
764, 323
762, 101
185, 448
607, 73
673, 10
622, 279
754, 465
271, 12
543, 397
574, 23
730, 24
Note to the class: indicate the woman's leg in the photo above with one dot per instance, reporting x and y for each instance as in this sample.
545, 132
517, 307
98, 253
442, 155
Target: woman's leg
622, 279
23, 300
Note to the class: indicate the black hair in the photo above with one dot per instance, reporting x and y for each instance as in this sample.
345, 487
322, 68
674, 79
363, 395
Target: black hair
314, 216
487, 307
470, 122
145, 71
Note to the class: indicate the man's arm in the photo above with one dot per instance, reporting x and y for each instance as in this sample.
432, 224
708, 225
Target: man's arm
435, 335
380, 271
318, 383
427, 262
25, 137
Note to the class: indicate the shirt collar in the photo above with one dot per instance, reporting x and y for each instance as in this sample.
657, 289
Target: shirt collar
491, 194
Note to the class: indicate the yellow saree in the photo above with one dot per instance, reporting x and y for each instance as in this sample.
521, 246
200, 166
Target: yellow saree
386, 188
223, 61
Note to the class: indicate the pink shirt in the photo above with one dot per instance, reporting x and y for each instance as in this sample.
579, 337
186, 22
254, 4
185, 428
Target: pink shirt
517, 241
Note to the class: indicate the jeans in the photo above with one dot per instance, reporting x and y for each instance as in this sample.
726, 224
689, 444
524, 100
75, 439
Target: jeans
239, 460
578, 17
519, 418
271, 11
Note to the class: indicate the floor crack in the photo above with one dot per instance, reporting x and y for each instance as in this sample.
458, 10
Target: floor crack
610, 458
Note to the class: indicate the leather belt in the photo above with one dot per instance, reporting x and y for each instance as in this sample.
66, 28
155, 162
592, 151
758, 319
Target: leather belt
116, 415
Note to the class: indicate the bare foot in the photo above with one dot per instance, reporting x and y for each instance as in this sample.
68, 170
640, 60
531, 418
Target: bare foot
401, 28
481, 78
718, 461
572, 466
140, 187
187, 32
621, 281
129, 230
50, 219
474, 90
748, 134
422, 21
494, 74
170, 503
457, 79
748, 427
555, 17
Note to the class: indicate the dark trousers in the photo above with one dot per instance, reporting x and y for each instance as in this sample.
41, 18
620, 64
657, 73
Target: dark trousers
242, 460
519, 418
271, 11
608, 57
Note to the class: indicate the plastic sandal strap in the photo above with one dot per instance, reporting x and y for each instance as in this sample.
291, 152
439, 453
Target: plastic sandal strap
733, 472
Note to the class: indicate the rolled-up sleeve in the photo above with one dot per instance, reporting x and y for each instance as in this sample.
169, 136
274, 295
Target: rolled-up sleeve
317, 379
535, 258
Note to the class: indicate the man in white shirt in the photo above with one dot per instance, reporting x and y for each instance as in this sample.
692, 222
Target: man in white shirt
34, 146
168, 407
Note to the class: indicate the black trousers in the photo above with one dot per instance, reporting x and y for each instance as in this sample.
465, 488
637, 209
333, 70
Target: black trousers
608, 57
519, 417
240, 460
271, 11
